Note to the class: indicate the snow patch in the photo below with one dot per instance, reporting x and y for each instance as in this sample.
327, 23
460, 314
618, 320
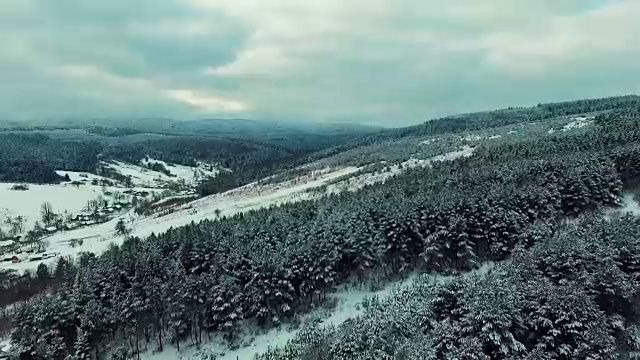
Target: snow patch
140, 176
358, 182
472, 137
191, 175
429, 141
578, 122
5, 346
494, 137
629, 206
63, 197
348, 307
81, 176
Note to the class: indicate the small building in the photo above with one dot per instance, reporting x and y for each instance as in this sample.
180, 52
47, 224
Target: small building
15, 259
50, 229
71, 226
35, 257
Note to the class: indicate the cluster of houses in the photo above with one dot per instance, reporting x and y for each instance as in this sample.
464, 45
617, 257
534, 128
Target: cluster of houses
11, 248
29, 256
89, 218
8, 248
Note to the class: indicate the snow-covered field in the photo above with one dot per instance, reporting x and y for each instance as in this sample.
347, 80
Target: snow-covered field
63, 197
348, 307
143, 176
191, 175
139, 175
80, 176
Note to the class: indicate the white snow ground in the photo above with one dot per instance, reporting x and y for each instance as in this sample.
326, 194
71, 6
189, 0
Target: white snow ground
578, 122
348, 307
63, 197
472, 137
191, 175
629, 206
5, 346
142, 176
79, 176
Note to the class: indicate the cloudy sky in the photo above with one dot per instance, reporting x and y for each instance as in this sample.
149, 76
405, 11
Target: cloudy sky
382, 62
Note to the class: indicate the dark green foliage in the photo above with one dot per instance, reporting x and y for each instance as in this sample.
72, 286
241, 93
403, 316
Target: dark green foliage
223, 181
539, 306
497, 118
34, 158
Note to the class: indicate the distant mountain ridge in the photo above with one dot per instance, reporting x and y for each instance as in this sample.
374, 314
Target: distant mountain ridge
210, 126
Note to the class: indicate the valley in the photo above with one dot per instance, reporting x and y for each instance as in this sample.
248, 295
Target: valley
435, 241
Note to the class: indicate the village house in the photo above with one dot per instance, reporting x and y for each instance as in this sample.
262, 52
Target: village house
50, 229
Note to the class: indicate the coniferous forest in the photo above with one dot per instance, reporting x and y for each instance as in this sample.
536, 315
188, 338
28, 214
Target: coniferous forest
565, 285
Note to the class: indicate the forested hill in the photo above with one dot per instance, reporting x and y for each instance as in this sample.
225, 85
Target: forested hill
497, 118
565, 293
251, 149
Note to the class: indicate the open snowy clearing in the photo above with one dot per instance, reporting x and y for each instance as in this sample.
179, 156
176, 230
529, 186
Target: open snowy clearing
191, 175
578, 122
358, 182
143, 176
348, 307
62, 197
139, 175
81, 176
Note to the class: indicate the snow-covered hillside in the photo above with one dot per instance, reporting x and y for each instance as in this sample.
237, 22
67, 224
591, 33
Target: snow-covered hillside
191, 175
358, 182
97, 238
143, 175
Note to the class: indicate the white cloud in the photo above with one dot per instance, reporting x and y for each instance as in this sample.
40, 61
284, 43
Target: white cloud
207, 103
388, 62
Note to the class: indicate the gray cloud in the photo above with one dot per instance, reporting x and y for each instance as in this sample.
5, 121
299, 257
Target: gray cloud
385, 62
